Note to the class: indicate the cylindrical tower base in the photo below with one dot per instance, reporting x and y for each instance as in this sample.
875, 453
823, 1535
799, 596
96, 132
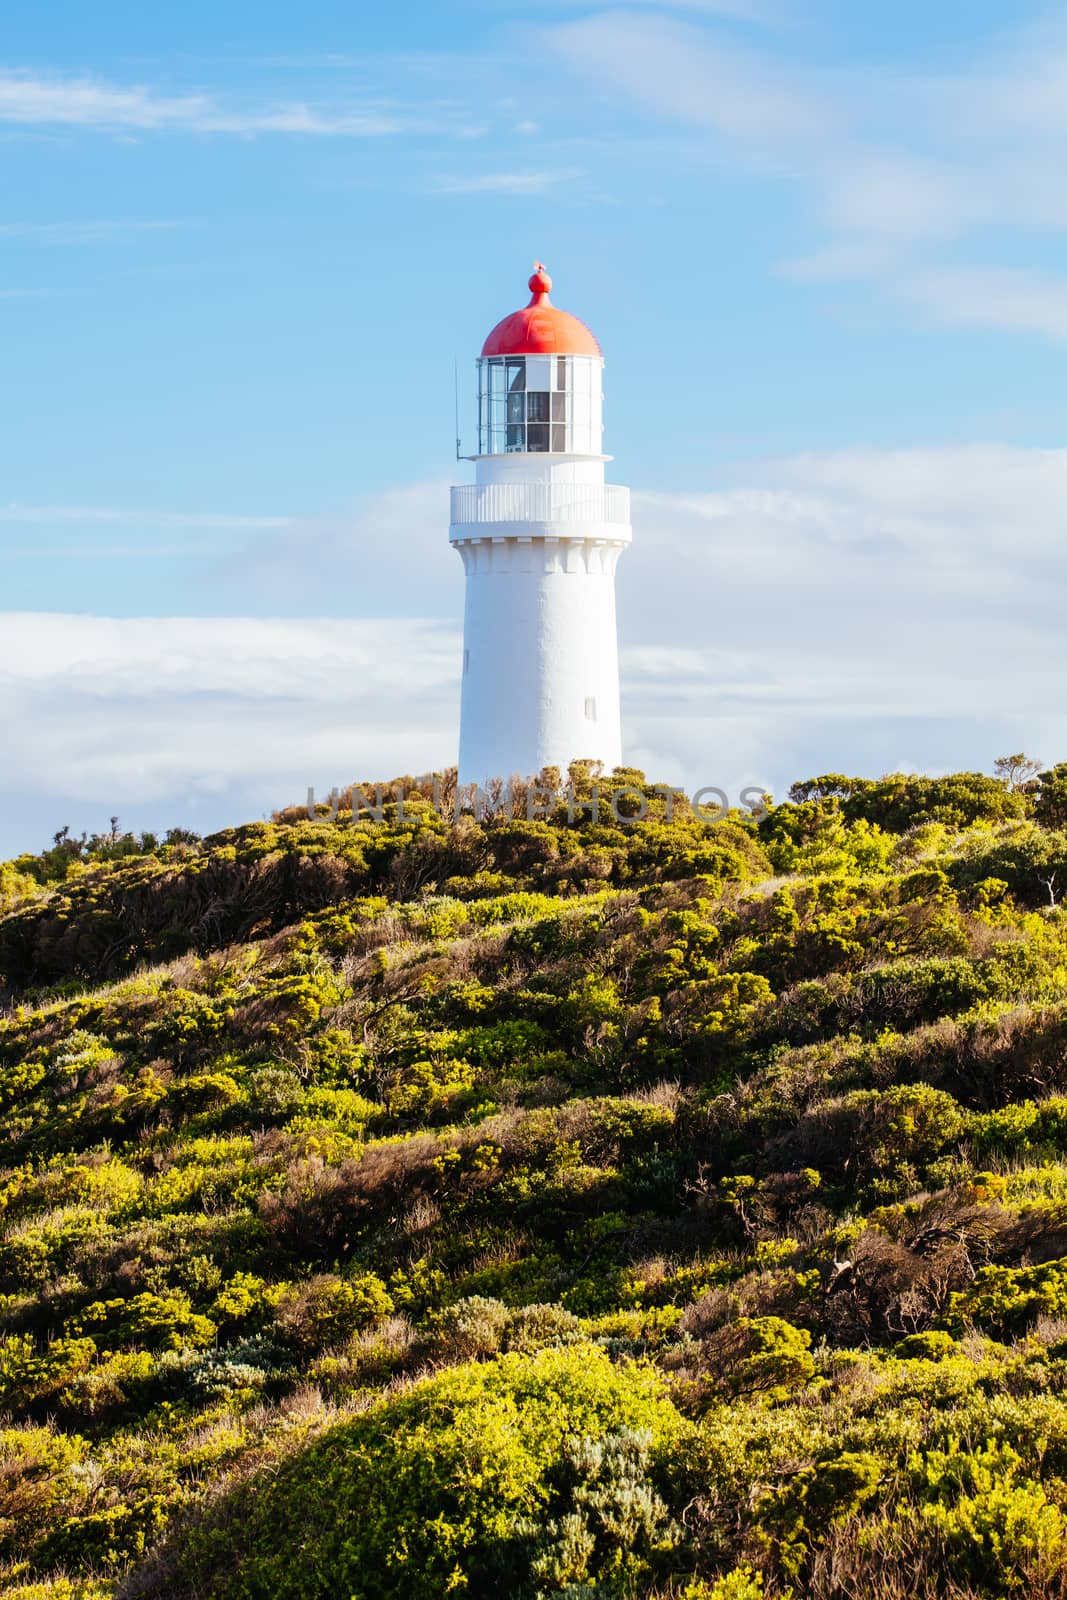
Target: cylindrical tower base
540, 660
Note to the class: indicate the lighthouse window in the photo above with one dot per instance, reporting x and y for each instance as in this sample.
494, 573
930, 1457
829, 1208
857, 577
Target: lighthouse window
559, 438
536, 406
590, 709
516, 437
537, 436
559, 408
538, 372
516, 376
516, 412
561, 372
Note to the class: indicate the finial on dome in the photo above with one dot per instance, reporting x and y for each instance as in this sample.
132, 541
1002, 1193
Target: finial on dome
540, 283
540, 328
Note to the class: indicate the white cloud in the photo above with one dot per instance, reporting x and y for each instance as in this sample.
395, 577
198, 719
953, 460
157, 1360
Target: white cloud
690, 75
507, 182
1025, 302
390, 555
874, 192
31, 99
322, 661
856, 259
897, 167
855, 609
159, 717
864, 609
25, 98
1019, 90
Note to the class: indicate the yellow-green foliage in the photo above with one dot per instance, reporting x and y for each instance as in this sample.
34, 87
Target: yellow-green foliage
553, 1207
15, 886
59, 1589
431, 1493
741, 1584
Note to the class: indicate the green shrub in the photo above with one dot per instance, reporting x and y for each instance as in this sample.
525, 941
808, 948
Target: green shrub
536, 1326
998, 1526
752, 1356
741, 1584
1007, 1300
327, 1309
605, 1526
471, 1327
427, 1494
934, 1345
148, 1321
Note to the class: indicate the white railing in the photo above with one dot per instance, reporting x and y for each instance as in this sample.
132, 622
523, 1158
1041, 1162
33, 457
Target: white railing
540, 502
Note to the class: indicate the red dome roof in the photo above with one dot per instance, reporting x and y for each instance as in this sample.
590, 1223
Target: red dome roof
540, 329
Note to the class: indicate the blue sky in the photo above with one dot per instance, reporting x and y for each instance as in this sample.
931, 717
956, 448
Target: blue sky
241, 247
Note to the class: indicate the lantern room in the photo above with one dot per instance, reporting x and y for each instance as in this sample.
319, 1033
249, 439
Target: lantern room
540, 403
540, 382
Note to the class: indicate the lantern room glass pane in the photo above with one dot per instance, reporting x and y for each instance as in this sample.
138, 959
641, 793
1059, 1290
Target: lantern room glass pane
516, 436
537, 436
536, 405
559, 438
516, 376
538, 372
516, 412
559, 408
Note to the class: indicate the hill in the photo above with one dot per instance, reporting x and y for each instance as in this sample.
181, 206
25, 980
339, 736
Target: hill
586, 1207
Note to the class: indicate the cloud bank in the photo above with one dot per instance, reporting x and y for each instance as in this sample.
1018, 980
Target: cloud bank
214, 720
864, 609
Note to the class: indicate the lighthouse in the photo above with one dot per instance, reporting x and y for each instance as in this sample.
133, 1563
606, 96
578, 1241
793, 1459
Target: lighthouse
540, 534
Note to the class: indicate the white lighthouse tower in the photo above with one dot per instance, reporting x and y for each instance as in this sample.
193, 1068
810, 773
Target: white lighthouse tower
540, 534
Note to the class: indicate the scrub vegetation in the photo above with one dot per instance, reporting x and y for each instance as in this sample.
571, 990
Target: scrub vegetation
567, 1207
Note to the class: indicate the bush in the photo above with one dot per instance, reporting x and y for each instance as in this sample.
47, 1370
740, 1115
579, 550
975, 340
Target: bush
606, 1524
145, 1321
327, 1310
999, 1528
535, 1327
429, 1493
752, 1356
740, 1584
470, 1328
